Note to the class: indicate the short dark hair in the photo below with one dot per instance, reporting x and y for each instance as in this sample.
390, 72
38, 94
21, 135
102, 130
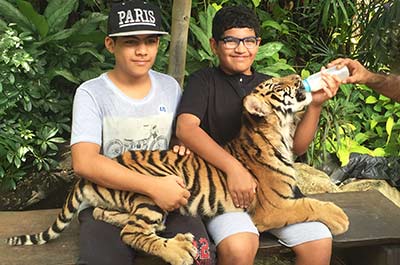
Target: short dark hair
234, 17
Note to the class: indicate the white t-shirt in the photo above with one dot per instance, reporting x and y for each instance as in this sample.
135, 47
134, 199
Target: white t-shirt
103, 115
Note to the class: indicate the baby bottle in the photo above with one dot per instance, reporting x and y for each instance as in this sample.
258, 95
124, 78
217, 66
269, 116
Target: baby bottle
313, 82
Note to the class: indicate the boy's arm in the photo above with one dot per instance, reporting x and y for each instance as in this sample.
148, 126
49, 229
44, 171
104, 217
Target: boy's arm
167, 192
305, 131
240, 182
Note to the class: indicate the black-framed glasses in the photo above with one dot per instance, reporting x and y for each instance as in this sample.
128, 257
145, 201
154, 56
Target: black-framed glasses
233, 42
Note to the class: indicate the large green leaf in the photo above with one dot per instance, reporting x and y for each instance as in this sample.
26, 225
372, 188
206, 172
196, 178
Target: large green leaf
95, 38
269, 49
57, 13
256, 3
389, 128
3, 25
12, 15
371, 100
274, 69
335, 15
91, 51
201, 37
272, 24
326, 12
88, 25
344, 12
66, 74
207, 21
87, 29
38, 20
61, 35
52, 7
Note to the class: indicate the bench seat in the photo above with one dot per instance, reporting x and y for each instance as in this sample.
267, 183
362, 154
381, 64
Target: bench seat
374, 227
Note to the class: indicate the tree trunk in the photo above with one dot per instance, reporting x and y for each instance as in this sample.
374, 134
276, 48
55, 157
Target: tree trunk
179, 35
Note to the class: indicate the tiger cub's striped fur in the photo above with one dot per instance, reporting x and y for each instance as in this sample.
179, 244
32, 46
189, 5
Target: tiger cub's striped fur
264, 146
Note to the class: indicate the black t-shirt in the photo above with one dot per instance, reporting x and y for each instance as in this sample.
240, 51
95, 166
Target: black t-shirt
216, 99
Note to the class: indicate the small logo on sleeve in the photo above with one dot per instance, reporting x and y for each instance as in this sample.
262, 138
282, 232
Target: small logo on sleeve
162, 108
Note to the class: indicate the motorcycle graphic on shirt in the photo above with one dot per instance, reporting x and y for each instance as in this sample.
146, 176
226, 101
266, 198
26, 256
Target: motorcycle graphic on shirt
154, 141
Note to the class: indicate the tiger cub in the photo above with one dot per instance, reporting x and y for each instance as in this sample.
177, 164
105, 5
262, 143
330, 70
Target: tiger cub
264, 146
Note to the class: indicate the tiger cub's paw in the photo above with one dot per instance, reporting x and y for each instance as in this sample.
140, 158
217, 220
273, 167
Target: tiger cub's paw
335, 218
180, 250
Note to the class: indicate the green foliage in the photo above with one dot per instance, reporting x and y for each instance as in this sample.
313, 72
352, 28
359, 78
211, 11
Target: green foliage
337, 126
359, 120
380, 37
49, 47
380, 125
42, 60
199, 51
24, 112
325, 31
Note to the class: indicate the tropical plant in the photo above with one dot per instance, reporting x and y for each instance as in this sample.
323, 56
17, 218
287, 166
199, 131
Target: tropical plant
43, 58
357, 119
48, 47
379, 36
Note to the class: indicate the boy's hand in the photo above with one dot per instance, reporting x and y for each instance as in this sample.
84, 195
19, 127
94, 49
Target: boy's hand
170, 193
181, 149
329, 88
178, 147
241, 185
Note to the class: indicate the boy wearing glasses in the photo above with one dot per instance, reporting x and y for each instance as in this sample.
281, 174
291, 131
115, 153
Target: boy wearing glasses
209, 116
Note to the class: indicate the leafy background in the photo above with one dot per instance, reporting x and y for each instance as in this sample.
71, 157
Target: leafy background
47, 48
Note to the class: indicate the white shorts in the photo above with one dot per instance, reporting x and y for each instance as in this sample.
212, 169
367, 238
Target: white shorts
227, 224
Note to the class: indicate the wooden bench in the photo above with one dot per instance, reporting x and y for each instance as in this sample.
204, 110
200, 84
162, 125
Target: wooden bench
373, 237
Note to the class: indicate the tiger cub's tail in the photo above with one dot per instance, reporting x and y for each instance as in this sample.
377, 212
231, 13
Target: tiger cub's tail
63, 220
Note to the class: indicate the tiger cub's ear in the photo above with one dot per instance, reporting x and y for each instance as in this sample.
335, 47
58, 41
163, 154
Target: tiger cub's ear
256, 106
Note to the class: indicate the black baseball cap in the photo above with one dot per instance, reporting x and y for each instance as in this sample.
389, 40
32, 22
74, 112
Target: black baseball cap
135, 17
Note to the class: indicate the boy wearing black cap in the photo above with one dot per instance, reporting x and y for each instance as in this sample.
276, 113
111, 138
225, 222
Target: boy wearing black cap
130, 107
209, 116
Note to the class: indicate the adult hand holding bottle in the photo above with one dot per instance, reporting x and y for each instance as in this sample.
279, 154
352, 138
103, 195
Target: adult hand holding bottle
386, 84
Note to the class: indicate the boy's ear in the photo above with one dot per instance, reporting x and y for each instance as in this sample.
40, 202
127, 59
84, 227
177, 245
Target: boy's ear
110, 44
213, 45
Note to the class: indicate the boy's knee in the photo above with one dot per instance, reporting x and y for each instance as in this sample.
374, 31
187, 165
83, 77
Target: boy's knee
320, 244
232, 251
317, 251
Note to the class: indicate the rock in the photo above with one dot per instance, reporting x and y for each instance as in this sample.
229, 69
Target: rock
368, 184
311, 180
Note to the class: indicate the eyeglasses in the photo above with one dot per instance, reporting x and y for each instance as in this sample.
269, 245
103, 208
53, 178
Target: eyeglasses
233, 42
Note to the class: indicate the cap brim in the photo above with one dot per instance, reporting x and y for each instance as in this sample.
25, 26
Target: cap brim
138, 32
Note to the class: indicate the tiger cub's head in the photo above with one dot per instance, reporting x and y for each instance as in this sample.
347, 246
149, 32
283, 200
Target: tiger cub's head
284, 94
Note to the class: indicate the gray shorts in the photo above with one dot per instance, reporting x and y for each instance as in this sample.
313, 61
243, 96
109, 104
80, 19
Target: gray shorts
227, 224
